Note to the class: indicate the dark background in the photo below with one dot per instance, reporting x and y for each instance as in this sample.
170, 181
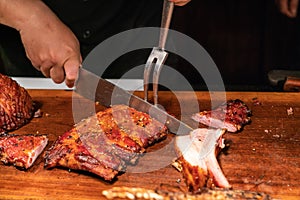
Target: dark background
246, 39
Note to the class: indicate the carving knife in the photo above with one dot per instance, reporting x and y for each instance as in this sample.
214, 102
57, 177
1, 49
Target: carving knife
91, 86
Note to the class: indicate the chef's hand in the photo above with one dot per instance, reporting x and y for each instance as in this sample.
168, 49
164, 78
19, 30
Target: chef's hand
288, 7
180, 2
52, 48
50, 45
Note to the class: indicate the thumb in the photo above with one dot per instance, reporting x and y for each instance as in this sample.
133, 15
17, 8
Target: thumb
71, 68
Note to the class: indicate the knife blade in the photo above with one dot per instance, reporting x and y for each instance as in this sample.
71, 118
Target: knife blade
93, 87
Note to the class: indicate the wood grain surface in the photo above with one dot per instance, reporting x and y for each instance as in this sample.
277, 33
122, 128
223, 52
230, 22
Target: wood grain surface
263, 157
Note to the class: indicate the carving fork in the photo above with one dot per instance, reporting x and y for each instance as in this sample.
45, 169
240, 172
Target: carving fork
158, 55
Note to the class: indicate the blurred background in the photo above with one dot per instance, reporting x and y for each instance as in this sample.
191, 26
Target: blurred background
246, 39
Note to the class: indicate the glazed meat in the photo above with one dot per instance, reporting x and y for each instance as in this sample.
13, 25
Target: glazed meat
107, 142
16, 107
21, 150
137, 126
232, 115
200, 171
68, 151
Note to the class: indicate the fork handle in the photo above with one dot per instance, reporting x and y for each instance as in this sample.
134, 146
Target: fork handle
165, 23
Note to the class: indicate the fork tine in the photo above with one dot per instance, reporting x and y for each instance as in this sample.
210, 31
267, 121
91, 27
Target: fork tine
161, 58
147, 70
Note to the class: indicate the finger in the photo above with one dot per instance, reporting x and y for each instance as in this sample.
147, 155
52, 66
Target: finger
57, 74
283, 6
294, 7
71, 67
45, 68
180, 2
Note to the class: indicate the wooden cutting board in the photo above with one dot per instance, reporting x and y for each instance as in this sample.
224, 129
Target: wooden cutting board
263, 157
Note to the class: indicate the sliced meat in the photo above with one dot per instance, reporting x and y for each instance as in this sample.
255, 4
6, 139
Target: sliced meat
200, 171
21, 150
232, 115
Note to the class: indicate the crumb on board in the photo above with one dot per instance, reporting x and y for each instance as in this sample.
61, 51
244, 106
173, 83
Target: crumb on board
38, 113
276, 136
256, 102
290, 111
266, 131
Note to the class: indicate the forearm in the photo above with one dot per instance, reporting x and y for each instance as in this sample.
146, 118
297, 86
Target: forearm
18, 13
55, 52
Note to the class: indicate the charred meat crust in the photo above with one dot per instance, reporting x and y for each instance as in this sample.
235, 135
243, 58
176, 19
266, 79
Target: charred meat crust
106, 142
139, 126
195, 176
16, 105
68, 151
231, 115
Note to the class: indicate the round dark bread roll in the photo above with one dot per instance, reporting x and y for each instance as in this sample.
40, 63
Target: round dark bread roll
16, 105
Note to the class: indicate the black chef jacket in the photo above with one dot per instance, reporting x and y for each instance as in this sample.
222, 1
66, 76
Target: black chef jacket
92, 21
